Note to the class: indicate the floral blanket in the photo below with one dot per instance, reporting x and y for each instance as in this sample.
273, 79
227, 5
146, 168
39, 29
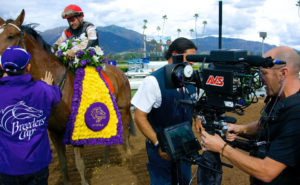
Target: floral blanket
95, 118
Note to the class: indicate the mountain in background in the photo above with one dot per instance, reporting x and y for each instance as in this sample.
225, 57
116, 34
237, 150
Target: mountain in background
122, 32
115, 39
207, 44
50, 36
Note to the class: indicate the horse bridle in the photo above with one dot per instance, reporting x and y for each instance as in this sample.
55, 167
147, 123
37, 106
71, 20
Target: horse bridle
61, 81
21, 34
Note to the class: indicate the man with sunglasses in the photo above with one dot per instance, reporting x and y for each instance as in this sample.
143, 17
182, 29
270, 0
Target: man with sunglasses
276, 157
78, 28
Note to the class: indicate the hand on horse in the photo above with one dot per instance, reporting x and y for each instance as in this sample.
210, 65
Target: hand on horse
48, 78
70, 54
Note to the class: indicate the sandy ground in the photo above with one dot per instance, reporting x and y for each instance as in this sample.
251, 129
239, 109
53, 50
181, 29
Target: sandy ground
134, 171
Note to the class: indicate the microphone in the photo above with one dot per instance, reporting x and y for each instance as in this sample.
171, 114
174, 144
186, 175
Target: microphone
259, 61
199, 58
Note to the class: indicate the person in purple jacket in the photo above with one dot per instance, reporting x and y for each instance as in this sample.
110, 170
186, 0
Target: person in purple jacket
25, 107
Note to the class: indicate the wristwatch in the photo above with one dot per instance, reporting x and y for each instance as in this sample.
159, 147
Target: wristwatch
199, 117
156, 144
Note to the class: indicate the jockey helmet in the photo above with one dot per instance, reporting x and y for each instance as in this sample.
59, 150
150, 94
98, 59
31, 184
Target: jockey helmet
71, 10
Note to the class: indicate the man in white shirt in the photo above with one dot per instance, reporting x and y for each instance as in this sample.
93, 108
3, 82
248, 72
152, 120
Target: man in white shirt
158, 108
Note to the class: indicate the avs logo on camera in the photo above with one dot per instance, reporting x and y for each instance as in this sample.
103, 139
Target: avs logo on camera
215, 81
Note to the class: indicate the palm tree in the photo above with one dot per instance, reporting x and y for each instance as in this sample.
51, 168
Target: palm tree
144, 36
298, 4
196, 17
178, 30
164, 17
158, 29
204, 24
192, 30
145, 27
159, 37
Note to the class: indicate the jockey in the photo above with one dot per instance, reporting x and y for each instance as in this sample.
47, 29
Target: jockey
77, 29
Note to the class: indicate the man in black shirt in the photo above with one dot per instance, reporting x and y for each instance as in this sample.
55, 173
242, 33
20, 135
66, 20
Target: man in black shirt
276, 162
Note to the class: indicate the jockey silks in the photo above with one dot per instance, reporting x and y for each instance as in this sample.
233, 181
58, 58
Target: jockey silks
24, 112
87, 33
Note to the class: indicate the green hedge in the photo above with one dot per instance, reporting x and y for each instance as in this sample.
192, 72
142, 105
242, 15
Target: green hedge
124, 68
133, 91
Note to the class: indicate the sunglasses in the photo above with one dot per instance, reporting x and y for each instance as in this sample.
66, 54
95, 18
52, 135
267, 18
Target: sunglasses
71, 19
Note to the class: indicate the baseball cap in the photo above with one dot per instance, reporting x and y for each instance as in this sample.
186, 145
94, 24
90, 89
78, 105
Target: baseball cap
14, 59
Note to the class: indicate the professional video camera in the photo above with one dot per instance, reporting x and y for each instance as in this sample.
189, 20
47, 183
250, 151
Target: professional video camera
229, 83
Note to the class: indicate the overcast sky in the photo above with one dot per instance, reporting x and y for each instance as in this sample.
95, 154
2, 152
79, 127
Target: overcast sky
241, 18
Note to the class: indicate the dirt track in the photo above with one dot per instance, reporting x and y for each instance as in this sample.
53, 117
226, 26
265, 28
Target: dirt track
134, 171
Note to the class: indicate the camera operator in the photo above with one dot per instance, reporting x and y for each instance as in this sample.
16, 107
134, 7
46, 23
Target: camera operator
277, 159
158, 108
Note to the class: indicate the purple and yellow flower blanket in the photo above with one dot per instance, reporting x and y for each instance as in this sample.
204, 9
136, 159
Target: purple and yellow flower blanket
95, 117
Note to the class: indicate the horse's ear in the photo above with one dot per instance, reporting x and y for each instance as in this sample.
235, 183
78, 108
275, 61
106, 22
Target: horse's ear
20, 19
1, 21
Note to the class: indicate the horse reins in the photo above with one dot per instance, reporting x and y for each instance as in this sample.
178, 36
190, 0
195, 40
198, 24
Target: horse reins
61, 81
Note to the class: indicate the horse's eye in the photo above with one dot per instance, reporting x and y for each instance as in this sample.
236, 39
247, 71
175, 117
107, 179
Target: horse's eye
10, 37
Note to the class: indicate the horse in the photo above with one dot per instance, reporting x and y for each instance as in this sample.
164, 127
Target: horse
12, 32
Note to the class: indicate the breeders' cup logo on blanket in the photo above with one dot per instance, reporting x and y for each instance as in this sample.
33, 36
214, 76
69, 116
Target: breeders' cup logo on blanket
96, 116
21, 119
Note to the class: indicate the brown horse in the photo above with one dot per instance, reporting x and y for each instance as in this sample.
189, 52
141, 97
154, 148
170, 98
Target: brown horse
13, 33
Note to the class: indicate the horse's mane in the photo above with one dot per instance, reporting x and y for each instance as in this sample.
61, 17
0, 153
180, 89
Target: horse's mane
29, 29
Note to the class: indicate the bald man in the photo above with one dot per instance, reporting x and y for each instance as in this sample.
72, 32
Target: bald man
277, 161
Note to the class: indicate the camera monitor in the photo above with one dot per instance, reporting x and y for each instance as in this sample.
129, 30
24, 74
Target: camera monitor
179, 141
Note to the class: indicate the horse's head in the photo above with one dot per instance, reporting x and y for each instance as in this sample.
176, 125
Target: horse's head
22, 111
10, 32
